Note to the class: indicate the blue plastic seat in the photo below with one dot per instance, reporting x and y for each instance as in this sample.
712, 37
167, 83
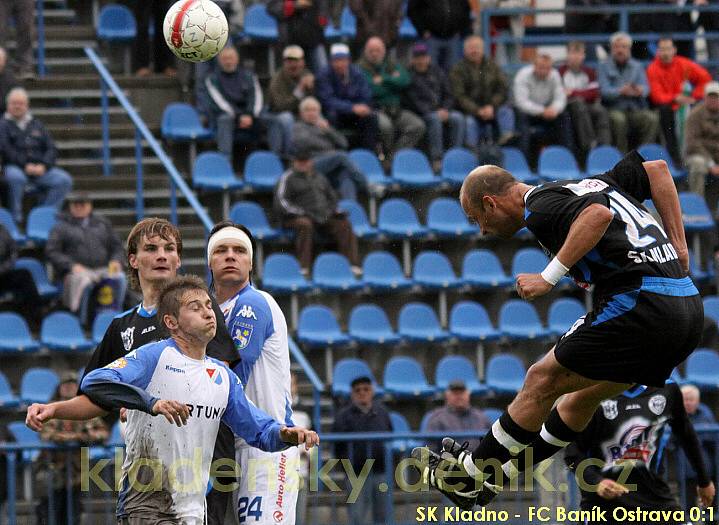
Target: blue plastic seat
27, 438
62, 331
516, 163
9, 223
346, 371
505, 374
700, 276
519, 320
38, 385
528, 260
492, 414
468, 321
181, 122
101, 323
259, 24
116, 23
433, 270
252, 215
368, 164
358, 218
45, 289
213, 171
107, 451
404, 378
602, 159
695, 213
369, 324
397, 219
457, 367
7, 398
318, 327
445, 218
456, 165
348, 24
16, 337
658, 152
282, 274
558, 163
400, 424
481, 268
418, 322
563, 313
40, 222
407, 30
702, 369
332, 273
711, 307
381, 272
262, 170
411, 169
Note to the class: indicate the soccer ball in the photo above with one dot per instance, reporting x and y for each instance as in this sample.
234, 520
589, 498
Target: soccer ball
195, 30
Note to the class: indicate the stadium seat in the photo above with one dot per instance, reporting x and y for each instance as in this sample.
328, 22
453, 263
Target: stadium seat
381, 272
259, 24
347, 28
16, 335
346, 371
418, 322
40, 222
505, 374
695, 213
27, 438
532, 260
400, 424
711, 307
331, 272
107, 451
358, 218
38, 385
702, 369
445, 218
516, 163
262, 170
424, 423
481, 269
407, 30
519, 320
9, 223
369, 324
212, 171
700, 275
252, 215
7, 398
602, 159
367, 162
116, 23
411, 169
492, 414
181, 122
453, 367
433, 270
404, 378
558, 163
468, 321
45, 289
282, 274
456, 164
397, 219
318, 327
659, 152
101, 323
563, 313
62, 331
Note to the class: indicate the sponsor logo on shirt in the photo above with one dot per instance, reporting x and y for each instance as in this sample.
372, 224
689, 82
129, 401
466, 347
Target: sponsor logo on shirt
281, 480
635, 406
148, 330
127, 338
242, 335
206, 411
247, 312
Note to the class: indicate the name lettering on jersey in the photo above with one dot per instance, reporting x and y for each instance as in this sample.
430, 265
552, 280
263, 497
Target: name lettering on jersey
247, 312
609, 407
657, 404
171, 368
128, 338
659, 254
148, 329
243, 334
205, 411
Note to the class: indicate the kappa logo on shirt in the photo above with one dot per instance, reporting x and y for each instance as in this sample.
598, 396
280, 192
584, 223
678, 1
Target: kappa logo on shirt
247, 312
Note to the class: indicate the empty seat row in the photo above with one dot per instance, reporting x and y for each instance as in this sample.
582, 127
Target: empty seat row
40, 221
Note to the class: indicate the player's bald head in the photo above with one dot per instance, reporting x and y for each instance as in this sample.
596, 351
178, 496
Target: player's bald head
484, 180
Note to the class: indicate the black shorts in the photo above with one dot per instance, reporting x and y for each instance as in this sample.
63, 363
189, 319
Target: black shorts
637, 336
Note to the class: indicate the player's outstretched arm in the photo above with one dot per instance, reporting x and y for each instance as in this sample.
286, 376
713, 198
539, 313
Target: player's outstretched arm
299, 435
666, 200
79, 408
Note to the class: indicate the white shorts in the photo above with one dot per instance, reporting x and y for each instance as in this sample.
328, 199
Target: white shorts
268, 486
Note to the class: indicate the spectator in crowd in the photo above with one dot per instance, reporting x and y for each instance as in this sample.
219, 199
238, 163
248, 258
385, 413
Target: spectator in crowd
364, 414
701, 139
306, 203
575, 23
699, 414
664, 20
398, 127
236, 99
669, 76
288, 87
429, 96
541, 103
589, 118
29, 155
380, 18
481, 90
84, 250
346, 97
442, 24
53, 473
506, 26
301, 23
163, 59
23, 14
623, 86
7, 79
457, 413
326, 146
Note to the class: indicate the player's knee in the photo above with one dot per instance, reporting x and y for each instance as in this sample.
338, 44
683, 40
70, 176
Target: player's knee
541, 382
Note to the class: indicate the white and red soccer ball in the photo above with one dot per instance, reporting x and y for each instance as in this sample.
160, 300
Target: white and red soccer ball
195, 30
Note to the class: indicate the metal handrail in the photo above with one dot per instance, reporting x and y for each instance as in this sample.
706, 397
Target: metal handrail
39, 9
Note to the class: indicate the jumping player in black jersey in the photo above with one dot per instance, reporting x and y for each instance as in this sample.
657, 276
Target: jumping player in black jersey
632, 430
647, 315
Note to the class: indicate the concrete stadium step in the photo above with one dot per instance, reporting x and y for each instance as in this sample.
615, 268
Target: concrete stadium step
91, 94
80, 131
58, 16
86, 114
91, 80
120, 166
66, 65
97, 144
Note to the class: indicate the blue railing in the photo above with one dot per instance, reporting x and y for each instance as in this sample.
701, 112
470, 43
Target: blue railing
39, 9
317, 385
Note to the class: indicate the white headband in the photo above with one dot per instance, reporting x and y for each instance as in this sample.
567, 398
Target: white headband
230, 233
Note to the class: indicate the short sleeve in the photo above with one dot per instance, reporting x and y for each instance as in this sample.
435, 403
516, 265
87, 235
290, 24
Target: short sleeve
630, 176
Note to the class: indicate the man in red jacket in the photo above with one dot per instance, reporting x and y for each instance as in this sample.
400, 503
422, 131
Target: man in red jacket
669, 78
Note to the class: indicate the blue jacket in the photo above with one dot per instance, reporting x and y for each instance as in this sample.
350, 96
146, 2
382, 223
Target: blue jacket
612, 78
34, 144
338, 97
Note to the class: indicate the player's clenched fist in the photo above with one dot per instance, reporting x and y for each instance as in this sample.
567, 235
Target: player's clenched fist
174, 411
531, 285
298, 435
38, 414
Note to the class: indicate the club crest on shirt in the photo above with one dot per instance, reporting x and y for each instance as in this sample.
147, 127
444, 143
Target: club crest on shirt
128, 338
610, 409
657, 404
242, 335
247, 312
